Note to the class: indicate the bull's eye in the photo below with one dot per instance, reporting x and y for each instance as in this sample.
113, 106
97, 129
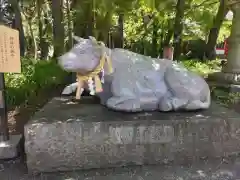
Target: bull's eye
72, 55
82, 51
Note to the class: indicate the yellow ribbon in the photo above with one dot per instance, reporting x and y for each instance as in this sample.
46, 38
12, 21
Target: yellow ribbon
94, 74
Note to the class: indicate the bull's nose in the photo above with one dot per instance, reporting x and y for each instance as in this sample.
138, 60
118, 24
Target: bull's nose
61, 61
66, 65
62, 57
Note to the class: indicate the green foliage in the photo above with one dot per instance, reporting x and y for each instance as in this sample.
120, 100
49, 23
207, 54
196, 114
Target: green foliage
100, 18
224, 31
36, 75
202, 68
198, 19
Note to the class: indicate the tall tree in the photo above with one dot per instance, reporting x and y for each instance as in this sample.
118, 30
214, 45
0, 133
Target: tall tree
233, 63
69, 24
17, 24
154, 38
214, 31
120, 38
40, 28
28, 12
178, 28
90, 18
47, 29
84, 17
58, 27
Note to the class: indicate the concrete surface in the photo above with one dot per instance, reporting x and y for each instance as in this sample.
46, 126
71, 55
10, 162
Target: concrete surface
10, 149
67, 136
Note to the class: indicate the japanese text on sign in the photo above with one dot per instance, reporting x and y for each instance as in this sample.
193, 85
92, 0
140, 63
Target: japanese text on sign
9, 50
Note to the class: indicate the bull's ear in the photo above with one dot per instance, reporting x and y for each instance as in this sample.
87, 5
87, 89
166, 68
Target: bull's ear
93, 39
102, 44
78, 39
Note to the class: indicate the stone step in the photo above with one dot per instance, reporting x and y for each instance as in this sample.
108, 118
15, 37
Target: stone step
67, 136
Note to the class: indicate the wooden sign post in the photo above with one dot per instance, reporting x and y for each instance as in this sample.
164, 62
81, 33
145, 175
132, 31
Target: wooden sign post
9, 63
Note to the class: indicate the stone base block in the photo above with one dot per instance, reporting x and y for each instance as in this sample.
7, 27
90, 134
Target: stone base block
68, 136
10, 149
228, 81
230, 88
228, 78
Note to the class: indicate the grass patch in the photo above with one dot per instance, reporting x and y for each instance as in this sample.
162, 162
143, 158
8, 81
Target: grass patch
36, 75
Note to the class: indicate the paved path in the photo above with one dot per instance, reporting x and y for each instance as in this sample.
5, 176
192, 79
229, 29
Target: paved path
218, 170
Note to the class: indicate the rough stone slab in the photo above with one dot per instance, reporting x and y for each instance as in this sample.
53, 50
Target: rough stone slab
225, 77
68, 136
231, 88
227, 81
202, 171
10, 149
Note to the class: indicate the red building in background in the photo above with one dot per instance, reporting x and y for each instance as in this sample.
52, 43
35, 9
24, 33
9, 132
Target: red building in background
222, 48
226, 47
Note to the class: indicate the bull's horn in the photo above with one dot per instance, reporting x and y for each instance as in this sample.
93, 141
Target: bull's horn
78, 39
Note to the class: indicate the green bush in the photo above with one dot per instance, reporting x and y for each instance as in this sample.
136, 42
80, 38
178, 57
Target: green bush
202, 68
35, 76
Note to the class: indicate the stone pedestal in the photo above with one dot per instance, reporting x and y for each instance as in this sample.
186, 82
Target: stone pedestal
228, 81
10, 149
68, 136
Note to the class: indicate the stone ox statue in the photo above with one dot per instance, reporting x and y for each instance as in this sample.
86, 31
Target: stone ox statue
136, 82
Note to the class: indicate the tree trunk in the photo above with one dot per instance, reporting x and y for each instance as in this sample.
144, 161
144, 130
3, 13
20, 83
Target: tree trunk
214, 31
40, 29
1, 16
17, 24
83, 25
168, 38
90, 19
154, 38
78, 23
104, 30
58, 27
178, 28
110, 42
47, 27
70, 31
34, 49
120, 38
233, 63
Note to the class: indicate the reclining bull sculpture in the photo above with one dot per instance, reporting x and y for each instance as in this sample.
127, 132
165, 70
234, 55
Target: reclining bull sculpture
136, 82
